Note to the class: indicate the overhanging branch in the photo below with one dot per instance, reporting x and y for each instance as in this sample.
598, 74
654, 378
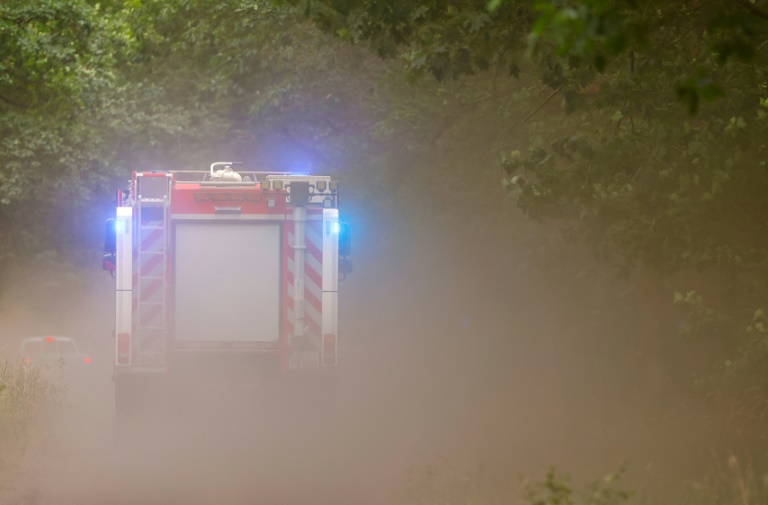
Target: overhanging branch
753, 9
13, 103
545, 102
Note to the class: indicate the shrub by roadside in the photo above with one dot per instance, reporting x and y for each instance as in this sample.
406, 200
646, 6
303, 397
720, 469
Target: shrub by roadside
27, 399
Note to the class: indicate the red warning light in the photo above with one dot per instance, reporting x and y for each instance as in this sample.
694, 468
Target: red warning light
27, 360
49, 339
87, 359
329, 349
123, 348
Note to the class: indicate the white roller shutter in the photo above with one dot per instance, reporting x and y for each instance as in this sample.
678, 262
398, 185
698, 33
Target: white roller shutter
227, 282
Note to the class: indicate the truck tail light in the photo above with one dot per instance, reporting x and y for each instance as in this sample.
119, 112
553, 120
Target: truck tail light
123, 348
329, 349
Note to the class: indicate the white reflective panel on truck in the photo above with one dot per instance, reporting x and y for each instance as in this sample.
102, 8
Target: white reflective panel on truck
124, 246
227, 282
331, 229
124, 284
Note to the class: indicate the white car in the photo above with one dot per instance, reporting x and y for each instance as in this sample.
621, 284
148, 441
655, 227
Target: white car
53, 352
61, 362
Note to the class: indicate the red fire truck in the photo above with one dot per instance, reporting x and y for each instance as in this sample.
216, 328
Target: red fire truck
229, 272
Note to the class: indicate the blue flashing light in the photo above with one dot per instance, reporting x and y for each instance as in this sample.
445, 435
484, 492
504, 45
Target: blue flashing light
335, 228
118, 225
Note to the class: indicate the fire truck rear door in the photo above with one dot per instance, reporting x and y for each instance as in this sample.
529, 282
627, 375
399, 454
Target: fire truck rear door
227, 282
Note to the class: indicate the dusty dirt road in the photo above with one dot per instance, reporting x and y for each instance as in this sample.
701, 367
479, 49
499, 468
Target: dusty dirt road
451, 368
217, 452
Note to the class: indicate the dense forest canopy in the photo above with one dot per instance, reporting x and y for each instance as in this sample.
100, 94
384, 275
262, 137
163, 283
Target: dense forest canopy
639, 127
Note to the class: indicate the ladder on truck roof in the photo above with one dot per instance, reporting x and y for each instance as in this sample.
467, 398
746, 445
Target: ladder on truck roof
152, 209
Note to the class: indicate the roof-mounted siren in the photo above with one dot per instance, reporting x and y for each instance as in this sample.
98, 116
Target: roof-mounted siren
226, 173
298, 193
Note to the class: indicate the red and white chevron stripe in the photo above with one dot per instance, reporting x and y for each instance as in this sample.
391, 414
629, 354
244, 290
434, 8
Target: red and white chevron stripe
313, 279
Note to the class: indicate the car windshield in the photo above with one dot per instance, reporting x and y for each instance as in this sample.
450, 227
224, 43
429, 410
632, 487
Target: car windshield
49, 348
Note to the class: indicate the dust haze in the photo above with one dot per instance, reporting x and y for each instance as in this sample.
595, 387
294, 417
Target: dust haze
461, 349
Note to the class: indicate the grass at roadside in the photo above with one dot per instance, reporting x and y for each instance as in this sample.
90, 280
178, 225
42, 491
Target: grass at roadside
27, 398
729, 482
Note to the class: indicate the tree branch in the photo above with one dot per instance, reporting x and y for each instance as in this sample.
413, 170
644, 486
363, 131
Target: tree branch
11, 102
545, 102
753, 9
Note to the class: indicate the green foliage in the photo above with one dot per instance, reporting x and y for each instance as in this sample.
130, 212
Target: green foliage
573, 41
56, 81
700, 321
738, 375
447, 40
557, 490
57, 68
54, 53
